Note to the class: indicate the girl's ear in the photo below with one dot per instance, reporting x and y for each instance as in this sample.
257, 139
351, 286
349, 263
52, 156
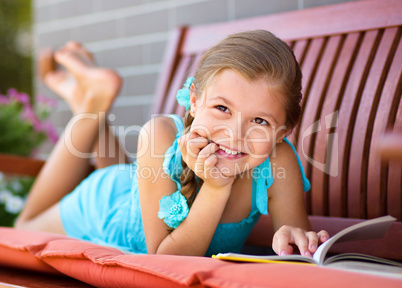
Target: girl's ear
193, 101
283, 134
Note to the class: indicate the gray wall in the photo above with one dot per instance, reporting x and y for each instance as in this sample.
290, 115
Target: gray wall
130, 36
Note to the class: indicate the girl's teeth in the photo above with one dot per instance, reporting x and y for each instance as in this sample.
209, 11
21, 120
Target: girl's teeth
228, 151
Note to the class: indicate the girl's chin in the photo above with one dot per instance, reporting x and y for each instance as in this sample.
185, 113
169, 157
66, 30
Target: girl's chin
232, 169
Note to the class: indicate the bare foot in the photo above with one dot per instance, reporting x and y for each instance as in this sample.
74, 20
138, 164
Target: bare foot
83, 85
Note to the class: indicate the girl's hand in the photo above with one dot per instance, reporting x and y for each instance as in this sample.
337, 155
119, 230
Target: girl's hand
307, 242
199, 157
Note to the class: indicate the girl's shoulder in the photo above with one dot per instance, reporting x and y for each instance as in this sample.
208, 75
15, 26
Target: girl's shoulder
284, 154
288, 166
160, 132
285, 159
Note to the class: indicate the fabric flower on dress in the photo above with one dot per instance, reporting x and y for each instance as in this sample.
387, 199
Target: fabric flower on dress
173, 209
183, 95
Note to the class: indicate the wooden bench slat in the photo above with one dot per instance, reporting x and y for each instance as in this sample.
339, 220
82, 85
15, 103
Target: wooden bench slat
314, 106
347, 113
356, 201
394, 195
191, 69
363, 129
309, 69
338, 198
384, 118
300, 49
177, 83
194, 64
331, 104
171, 58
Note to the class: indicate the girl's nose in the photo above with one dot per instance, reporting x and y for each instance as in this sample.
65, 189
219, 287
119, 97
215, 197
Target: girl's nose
235, 132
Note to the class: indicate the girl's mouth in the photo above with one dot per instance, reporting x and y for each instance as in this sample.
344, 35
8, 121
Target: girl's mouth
224, 152
228, 151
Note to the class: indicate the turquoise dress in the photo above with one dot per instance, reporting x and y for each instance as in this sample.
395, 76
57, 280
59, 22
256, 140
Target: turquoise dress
105, 207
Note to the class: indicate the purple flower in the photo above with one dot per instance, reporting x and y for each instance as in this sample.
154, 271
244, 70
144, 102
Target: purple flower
47, 101
25, 117
29, 115
4, 99
20, 97
12, 92
50, 131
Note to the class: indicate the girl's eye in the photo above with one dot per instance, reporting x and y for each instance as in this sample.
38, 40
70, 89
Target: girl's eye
222, 108
261, 121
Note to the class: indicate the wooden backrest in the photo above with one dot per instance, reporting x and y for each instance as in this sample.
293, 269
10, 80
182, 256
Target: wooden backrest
351, 58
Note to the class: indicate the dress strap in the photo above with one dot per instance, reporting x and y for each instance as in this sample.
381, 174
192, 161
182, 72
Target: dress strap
178, 121
306, 182
263, 179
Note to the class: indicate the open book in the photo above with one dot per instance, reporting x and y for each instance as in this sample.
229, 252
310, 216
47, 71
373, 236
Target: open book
370, 229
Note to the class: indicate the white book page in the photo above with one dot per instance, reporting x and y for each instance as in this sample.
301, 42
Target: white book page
370, 229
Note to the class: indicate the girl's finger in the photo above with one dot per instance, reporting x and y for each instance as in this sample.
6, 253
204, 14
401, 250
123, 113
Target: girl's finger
211, 161
312, 241
203, 155
281, 241
323, 236
193, 135
194, 146
208, 150
301, 241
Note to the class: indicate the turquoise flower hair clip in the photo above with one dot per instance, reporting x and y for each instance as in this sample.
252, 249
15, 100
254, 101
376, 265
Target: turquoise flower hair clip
183, 95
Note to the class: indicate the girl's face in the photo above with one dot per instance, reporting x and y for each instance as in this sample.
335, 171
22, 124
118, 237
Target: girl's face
245, 118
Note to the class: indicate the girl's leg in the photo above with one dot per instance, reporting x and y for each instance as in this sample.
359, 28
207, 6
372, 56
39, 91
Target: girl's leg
93, 94
107, 149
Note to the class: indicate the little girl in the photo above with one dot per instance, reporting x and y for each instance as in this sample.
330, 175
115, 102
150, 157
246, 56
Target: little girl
216, 164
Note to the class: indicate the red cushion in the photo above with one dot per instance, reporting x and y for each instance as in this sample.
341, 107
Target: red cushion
108, 267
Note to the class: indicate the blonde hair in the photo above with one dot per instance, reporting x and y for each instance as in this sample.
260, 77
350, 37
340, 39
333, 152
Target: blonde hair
253, 54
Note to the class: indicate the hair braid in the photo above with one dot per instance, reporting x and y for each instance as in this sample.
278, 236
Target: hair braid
188, 179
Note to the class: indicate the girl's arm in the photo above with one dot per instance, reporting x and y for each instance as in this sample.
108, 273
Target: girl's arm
286, 207
194, 234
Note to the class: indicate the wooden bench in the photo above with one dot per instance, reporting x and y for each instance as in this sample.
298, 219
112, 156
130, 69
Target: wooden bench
351, 58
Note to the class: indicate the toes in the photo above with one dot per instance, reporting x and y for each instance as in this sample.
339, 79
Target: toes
77, 47
72, 62
72, 45
46, 62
